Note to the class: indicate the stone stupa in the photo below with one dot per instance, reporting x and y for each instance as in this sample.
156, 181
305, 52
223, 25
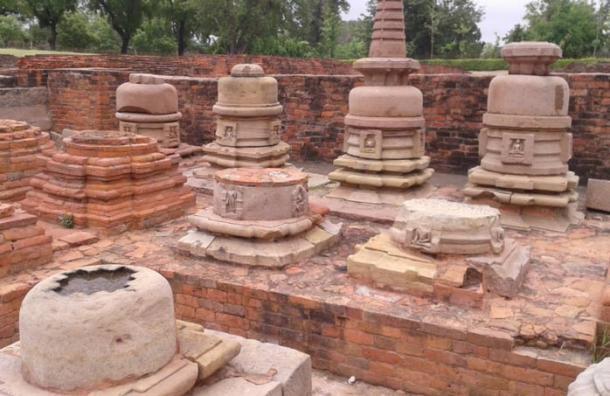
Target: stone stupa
248, 127
525, 144
384, 141
260, 217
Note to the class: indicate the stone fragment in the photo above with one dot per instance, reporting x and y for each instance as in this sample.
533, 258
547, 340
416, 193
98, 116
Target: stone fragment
112, 181
248, 128
148, 106
239, 387
594, 381
598, 195
24, 152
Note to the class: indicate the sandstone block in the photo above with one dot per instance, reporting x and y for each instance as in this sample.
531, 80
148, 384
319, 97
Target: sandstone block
598, 195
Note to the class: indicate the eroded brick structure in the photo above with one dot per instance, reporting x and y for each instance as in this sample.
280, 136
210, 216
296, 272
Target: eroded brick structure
110, 180
24, 151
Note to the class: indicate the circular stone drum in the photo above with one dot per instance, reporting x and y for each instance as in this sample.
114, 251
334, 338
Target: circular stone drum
261, 194
437, 226
109, 144
95, 327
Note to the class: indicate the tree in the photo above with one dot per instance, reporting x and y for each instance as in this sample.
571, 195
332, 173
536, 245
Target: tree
330, 31
74, 32
12, 33
517, 34
9, 7
181, 14
572, 24
49, 14
125, 17
154, 37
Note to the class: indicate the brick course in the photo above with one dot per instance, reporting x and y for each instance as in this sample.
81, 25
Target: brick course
315, 106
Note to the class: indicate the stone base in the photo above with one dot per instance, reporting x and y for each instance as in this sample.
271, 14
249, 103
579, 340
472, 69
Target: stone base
259, 253
395, 166
167, 134
379, 205
526, 218
266, 230
386, 265
201, 355
183, 150
536, 184
598, 195
260, 369
381, 180
246, 157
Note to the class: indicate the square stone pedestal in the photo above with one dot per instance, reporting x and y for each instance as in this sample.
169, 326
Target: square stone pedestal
200, 355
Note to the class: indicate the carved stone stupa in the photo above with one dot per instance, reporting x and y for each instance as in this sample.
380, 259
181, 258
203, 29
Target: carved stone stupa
525, 144
260, 217
248, 125
384, 140
148, 106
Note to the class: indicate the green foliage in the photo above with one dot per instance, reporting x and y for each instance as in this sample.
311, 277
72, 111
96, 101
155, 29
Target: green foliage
49, 13
66, 220
106, 39
74, 32
154, 37
484, 65
9, 7
283, 46
12, 32
568, 23
330, 31
125, 17
601, 350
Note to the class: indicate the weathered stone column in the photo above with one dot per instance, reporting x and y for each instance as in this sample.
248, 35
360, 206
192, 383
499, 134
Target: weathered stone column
525, 145
384, 140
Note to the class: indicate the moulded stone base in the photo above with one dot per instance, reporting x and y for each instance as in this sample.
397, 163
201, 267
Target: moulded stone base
259, 253
266, 230
369, 165
183, 150
381, 180
247, 157
549, 184
522, 198
525, 218
201, 355
383, 263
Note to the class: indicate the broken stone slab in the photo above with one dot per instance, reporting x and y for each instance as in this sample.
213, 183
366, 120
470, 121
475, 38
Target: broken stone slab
522, 198
504, 274
594, 381
262, 364
371, 165
438, 226
536, 184
598, 195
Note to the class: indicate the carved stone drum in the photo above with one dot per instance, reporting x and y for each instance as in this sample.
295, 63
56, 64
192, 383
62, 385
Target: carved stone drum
438, 226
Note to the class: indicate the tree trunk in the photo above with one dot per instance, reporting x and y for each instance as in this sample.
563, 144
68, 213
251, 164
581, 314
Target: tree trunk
125, 44
181, 38
53, 37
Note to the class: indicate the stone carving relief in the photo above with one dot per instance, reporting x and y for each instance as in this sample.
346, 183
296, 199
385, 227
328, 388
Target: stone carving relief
423, 239
276, 128
172, 134
371, 142
227, 132
518, 148
497, 237
231, 203
129, 127
300, 201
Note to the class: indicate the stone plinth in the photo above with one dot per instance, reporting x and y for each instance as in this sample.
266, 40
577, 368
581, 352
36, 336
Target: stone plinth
598, 195
24, 150
525, 144
111, 181
248, 127
436, 246
259, 217
384, 141
24, 244
112, 331
148, 106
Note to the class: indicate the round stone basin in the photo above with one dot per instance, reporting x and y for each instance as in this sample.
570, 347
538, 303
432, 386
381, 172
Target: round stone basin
261, 194
96, 327
104, 144
438, 226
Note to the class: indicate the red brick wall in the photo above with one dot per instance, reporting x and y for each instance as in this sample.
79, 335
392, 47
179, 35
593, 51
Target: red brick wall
316, 104
34, 69
377, 347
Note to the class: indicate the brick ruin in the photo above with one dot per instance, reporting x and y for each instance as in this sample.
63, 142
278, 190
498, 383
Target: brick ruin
444, 302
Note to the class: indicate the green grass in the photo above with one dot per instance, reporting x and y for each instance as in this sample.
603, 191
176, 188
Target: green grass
27, 52
475, 65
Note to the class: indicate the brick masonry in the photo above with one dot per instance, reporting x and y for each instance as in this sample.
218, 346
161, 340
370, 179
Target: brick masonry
316, 104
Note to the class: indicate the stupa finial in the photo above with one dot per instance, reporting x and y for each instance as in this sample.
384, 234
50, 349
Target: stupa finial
389, 39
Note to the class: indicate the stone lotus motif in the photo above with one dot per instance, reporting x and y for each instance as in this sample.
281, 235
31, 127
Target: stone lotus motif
148, 106
248, 126
25, 151
384, 141
112, 181
259, 217
524, 144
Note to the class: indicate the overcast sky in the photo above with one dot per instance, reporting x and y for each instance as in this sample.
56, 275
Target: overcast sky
500, 15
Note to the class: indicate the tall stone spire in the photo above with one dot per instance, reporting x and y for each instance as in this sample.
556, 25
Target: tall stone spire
389, 39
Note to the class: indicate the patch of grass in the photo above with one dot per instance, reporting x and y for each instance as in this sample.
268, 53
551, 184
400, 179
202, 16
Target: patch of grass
601, 350
20, 53
481, 65
66, 220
